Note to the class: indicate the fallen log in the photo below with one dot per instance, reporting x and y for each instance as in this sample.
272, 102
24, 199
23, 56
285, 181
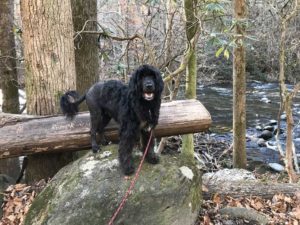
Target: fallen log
25, 135
239, 189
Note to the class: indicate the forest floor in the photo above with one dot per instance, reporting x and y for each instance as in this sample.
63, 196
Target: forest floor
280, 209
216, 155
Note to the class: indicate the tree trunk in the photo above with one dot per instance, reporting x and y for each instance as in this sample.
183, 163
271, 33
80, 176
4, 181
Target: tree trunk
192, 25
289, 140
56, 134
8, 76
50, 68
286, 97
239, 88
171, 10
86, 50
8, 65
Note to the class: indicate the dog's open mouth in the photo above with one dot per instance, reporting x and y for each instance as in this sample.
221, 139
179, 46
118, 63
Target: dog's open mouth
148, 96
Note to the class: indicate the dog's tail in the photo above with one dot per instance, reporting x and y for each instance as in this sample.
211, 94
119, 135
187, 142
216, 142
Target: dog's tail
69, 103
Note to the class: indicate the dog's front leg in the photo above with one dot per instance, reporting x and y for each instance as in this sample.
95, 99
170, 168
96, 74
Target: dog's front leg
151, 157
125, 155
128, 135
154, 115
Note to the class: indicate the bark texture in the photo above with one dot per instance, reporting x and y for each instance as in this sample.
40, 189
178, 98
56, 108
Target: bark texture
8, 76
246, 188
239, 88
8, 70
86, 50
287, 97
55, 133
50, 68
192, 25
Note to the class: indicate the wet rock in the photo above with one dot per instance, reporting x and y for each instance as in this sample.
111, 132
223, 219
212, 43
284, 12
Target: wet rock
261, 142
89, 190
269, 128
258, 127
272, 122
266, 134
283, 117
277, 167
265, 100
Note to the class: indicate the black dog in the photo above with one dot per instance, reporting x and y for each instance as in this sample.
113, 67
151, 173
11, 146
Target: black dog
135, 107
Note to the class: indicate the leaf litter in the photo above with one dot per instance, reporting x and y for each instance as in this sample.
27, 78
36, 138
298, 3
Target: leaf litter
281, 209
17, 201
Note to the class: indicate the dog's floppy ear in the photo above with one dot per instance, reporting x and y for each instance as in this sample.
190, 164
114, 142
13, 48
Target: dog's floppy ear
133, 82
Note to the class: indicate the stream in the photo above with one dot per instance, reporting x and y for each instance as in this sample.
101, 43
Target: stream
262, 106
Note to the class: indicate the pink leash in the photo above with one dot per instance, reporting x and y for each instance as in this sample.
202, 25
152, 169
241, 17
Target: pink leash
133, 181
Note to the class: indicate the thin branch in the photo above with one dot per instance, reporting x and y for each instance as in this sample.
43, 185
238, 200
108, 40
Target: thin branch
185, 58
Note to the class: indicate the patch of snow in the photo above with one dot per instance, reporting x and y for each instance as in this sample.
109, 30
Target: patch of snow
187, 172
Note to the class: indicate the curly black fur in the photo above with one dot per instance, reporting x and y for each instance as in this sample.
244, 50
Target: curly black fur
134, 106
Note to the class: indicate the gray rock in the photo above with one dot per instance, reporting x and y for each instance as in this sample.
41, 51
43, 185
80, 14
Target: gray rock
266, 134
283, 116
258, 127
272, 122
228, 175
277, 167
89, 190
269, 128
261, 142
245, 213
265, 100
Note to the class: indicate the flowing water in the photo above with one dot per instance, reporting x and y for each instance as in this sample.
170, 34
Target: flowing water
262, 100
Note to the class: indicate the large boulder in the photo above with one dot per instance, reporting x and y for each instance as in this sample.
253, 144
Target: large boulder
89, 190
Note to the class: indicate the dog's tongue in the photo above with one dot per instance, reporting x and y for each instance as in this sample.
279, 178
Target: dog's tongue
148, 96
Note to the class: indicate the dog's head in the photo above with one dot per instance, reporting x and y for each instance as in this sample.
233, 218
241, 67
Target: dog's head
146, 82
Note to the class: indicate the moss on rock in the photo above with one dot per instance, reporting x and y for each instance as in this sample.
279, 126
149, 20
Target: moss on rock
89, 190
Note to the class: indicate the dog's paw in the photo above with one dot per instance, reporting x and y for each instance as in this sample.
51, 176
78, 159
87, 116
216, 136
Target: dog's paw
128, 169
152, 158
95, 148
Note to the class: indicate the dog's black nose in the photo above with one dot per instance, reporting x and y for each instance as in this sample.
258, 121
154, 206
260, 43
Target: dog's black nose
149, 85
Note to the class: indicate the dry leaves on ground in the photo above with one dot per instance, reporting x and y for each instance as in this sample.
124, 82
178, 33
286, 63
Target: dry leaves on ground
17, 200
281, 209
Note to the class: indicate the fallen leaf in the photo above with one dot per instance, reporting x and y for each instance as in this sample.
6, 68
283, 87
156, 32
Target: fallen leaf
217, 199
206, 220
296, 213
257, 205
